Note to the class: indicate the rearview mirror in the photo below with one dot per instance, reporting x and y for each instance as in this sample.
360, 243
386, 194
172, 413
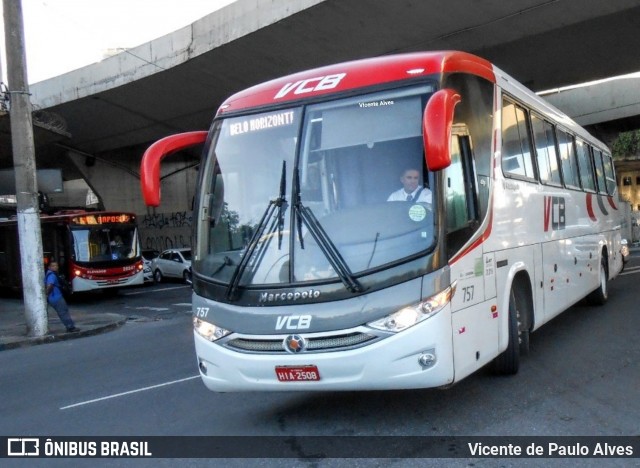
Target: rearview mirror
436, 128
150, 165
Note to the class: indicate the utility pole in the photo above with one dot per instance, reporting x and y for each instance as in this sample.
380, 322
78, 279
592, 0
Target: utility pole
24, 162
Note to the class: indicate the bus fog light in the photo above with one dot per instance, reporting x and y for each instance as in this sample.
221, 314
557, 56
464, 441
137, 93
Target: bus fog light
209, 331
427, 359
202, 366
409, 316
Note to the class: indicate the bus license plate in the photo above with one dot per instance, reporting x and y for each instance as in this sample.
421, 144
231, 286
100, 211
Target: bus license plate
307, 373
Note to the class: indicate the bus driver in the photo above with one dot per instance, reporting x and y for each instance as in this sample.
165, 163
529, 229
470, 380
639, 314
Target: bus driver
411, 189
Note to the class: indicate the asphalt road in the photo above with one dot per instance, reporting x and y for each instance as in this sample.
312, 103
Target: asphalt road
581, 378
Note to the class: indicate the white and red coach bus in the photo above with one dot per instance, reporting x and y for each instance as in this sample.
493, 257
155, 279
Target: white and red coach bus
306, 277
95, 249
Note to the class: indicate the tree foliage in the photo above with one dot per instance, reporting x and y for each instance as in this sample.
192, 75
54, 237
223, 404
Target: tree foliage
627, 144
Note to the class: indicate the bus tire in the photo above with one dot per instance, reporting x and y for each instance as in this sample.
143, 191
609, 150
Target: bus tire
508, 362
600, 295
157, 276
524, 318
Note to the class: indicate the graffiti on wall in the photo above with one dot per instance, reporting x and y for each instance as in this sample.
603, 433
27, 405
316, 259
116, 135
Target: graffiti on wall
177, 219
161, 231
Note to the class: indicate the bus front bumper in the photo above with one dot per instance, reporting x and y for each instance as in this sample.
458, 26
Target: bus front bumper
82, 284
418, 357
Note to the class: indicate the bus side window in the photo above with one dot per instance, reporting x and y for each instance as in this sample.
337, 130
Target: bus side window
609, 174
547, 158
568, 158
600, 177
584, 164
516, 145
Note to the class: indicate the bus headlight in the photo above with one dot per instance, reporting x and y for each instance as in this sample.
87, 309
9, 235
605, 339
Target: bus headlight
209, 331
409, 316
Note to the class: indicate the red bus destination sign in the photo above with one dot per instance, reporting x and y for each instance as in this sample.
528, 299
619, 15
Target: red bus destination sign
103, 218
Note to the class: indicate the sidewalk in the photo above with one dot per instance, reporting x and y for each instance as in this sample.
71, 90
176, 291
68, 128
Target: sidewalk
13, 328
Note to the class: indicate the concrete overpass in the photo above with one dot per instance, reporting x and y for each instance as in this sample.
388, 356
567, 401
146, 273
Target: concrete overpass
605, 107
113, 109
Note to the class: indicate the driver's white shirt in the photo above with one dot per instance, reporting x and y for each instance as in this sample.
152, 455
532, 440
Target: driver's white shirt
401, 195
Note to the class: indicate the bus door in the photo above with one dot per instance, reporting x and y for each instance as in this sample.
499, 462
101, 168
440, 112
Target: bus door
474, 323
55, 244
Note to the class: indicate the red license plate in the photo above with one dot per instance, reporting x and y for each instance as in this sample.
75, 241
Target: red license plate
307, 373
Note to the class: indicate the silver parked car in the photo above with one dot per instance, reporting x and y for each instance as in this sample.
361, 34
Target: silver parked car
147, 258
172, 263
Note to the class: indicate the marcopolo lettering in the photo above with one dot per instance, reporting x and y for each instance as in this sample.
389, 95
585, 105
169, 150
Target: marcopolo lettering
289, 296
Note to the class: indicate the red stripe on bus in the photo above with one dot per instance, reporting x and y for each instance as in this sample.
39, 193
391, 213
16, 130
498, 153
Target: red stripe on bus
590, 207
483, 237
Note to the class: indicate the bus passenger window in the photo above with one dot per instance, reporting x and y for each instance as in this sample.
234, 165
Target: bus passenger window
568, 158
546, 151
600, 177
609, 174
586, 169
516, 147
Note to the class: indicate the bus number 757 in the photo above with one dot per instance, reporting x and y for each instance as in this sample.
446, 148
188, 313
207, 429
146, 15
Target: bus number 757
467, 293
202, 312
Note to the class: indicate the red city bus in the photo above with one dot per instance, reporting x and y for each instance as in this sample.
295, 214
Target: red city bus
313, 268
95, 250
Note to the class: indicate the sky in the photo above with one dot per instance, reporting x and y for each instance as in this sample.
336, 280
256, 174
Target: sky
63, 35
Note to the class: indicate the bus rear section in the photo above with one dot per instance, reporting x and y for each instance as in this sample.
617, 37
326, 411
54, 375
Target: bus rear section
346, 233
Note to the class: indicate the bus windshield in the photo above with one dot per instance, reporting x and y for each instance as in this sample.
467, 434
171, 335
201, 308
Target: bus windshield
103, 243
317, 193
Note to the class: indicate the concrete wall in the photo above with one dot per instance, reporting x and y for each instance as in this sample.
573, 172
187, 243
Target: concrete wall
115, 179
160, 231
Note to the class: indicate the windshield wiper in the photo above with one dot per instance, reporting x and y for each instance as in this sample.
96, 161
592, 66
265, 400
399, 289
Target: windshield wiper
330, 251
280, 204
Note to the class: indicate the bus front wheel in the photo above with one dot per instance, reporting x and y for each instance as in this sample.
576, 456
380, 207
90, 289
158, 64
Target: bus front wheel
508, 362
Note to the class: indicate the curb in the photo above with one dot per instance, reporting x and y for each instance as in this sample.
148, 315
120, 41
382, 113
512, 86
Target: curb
52, 338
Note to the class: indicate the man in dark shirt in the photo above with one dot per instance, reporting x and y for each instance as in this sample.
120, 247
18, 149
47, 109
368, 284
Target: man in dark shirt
55, 297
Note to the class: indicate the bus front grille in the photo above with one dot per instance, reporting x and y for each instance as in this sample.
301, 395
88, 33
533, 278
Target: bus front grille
314, 344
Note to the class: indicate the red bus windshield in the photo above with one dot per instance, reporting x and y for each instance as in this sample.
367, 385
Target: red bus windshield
104, 243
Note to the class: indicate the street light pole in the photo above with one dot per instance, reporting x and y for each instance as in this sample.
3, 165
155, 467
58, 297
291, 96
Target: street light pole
24, 162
